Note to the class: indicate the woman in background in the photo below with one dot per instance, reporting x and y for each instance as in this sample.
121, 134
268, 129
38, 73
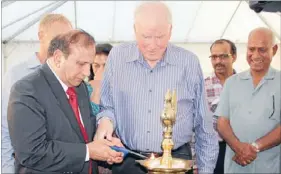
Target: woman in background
94, 88
96, 74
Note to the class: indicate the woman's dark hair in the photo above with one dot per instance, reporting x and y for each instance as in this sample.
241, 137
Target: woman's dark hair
100, 49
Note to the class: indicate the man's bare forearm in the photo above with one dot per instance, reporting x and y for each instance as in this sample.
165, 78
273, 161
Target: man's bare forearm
270, 140
227, 133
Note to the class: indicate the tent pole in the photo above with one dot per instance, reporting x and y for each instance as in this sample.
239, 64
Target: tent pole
75, 14
113, 22
4, 58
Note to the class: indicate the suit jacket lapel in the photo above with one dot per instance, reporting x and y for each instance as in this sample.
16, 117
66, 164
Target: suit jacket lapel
61, 98
83, 101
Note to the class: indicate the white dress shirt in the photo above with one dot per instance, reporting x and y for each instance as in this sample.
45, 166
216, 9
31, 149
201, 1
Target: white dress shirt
65, 87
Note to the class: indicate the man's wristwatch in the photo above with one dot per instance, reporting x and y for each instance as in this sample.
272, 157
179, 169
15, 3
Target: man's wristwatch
256, 146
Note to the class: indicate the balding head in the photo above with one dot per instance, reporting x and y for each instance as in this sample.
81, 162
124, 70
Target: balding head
153, 11
48, 20
264, 33
261, 49
153, 25
50, 26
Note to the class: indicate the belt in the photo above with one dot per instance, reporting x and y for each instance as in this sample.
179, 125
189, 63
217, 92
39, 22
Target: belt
157, 154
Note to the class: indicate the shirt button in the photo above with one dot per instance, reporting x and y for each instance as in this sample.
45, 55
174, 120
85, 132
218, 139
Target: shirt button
147, 149
250, 111
149, 111
150, 90
151, 71
148, 132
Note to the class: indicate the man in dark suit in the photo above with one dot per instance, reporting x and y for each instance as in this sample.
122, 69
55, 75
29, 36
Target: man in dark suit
50, 121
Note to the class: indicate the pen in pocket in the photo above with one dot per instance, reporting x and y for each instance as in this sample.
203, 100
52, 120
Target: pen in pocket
273, 106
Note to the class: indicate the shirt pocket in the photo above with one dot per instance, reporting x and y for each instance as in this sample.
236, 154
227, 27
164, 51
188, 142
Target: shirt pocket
269, 116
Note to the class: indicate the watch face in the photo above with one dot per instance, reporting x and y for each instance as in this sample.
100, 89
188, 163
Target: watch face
213, 108
256, 146
214, 105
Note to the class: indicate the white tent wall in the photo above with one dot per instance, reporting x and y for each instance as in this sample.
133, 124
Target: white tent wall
16, 52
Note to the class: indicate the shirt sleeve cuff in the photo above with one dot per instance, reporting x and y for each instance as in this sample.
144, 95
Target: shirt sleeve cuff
87, 154
205, 171
106, 114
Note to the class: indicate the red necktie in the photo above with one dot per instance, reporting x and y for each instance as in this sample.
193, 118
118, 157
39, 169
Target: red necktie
74, 104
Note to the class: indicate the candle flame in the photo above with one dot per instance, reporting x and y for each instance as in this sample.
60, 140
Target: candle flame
152, 156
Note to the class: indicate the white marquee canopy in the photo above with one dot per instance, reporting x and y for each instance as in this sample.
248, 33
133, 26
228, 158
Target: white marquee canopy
112, 21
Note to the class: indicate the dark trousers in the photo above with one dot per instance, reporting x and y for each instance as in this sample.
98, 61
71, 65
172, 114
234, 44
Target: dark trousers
129, 166
220, 163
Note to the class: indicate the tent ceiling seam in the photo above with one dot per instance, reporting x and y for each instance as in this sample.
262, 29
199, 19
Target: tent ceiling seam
193, 21
21, 18
113, 22
57, 5
6, 3
231, 18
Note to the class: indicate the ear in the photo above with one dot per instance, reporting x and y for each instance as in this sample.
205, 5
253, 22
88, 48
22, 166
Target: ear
171, 27
135, 28
40, 35
170, 30
275, 48
234, 57
58, 57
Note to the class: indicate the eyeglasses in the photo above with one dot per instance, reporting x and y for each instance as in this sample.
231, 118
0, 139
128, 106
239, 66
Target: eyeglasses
220, 56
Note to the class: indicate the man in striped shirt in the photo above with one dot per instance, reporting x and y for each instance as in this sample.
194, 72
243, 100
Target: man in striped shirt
136, 78
223, 55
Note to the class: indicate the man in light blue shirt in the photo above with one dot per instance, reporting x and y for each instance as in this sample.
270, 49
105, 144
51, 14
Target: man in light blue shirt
136, 78
249, 111
50, 26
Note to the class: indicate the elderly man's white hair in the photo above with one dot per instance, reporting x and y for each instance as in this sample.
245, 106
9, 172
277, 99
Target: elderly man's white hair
144, 5
264, 30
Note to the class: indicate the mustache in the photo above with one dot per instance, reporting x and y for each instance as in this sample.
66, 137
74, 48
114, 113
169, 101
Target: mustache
219, 65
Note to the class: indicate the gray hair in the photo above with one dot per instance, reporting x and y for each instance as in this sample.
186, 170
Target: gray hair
266, 30
140, 8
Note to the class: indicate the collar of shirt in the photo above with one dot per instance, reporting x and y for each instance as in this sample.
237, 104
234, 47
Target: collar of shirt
168, 56
33, 62
246, 75
64, 86
215, 79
